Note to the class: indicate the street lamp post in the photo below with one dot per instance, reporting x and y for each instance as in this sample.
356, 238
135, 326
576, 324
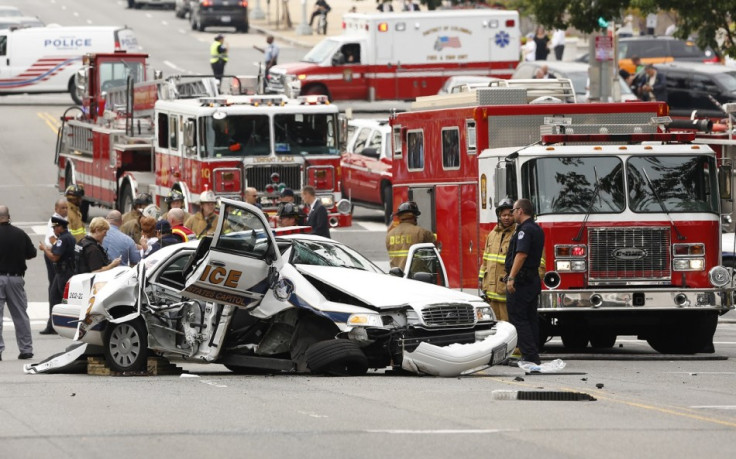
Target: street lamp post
303, 28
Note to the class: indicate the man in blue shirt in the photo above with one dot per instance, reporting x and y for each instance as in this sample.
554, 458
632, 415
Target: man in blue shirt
118, 244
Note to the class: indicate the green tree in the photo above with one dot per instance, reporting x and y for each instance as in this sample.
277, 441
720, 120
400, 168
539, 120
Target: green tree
709, 22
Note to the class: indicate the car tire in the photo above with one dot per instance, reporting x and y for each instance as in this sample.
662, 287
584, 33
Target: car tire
191, 21
337, 357
126, 345
387, 197
690, 334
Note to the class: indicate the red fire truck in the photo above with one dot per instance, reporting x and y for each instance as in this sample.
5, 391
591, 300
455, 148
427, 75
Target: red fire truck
132, 135
632, 222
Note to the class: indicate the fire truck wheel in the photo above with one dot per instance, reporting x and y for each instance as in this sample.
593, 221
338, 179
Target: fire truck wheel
388, 201
688, 334
603, 340
574, 340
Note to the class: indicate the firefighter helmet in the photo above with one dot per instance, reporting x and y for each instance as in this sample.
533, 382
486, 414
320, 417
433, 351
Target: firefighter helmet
207, 196
174, 195
143, 199
152, 211
288, 210
506, 203
74, 190
408, 206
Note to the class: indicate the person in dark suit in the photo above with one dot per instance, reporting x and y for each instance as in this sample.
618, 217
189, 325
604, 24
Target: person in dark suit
317, 213
654, 85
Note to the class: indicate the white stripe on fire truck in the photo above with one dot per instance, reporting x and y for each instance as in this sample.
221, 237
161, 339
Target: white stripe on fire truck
408, 74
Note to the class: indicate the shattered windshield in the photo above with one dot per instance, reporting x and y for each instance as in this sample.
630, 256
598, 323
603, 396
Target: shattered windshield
323, 50
567, 185
324, 253
304, 134
235, 136
684, 184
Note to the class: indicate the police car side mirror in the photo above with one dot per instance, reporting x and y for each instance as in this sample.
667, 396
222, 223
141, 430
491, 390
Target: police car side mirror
396, 272
424, 277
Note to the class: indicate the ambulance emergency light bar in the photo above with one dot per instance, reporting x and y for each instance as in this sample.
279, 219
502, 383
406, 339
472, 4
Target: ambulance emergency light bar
681, 137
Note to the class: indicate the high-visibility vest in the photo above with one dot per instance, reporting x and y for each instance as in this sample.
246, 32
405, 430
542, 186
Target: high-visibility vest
215, 52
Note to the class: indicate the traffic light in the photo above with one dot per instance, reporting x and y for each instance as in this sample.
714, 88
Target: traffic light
602, 22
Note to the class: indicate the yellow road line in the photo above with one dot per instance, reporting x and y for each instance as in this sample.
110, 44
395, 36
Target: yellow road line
680, 412
50, 121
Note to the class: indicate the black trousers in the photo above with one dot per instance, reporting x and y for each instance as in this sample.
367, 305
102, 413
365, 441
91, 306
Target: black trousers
56, 291
218, 69
522, 309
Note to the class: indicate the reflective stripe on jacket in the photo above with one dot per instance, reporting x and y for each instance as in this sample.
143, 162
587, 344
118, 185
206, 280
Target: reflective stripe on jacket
494, 256
400, 238
76, 225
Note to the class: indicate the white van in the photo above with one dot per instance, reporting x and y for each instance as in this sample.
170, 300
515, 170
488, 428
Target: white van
46, 59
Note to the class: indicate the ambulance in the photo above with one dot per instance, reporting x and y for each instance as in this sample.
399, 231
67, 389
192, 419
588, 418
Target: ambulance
46, 59
403, 55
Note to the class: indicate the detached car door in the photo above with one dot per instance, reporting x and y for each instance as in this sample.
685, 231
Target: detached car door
235, 268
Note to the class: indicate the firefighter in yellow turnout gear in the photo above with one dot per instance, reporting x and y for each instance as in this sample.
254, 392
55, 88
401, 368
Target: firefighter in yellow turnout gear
492, 269
405, 234
73, 194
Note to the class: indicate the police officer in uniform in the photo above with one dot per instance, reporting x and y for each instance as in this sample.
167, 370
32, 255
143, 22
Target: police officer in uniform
493, 269
218, 56
405, 234
522, 283
62, 255
73, 196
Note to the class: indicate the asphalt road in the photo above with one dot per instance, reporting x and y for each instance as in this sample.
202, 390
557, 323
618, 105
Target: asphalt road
646, 404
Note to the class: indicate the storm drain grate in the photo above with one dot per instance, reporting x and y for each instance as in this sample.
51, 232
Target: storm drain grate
541, 395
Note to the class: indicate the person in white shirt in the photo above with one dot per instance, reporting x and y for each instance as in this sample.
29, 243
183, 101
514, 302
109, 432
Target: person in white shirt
558, 43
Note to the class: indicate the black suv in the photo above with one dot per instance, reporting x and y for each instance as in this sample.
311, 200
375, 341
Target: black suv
222, 13
701, 87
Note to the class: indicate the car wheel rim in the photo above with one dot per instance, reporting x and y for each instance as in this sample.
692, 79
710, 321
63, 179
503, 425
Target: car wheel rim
125, 345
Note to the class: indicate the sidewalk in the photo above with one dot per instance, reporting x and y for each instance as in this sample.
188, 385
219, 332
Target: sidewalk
275, 25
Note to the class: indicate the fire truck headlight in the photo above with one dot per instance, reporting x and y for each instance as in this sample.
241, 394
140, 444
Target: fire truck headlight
578, 265
688, 264
484, 314
327, 201
719, 276
565, 265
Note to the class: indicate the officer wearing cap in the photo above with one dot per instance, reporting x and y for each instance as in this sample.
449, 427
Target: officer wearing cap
405, 234
287, 196
62, 255
218, 56
288, 214
493, 269
523, 284
15, 248
73, 195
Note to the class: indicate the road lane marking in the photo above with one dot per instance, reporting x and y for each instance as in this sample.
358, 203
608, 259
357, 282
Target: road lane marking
50, 121
312, 415
441, 431
714, 407
175, 67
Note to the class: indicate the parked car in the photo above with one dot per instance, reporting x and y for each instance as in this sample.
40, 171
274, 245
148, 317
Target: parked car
223, 13
142, 3
574, 71
457, 83
294, 303
19, 22
698, 87
10, 11
183, 7
658, 50
366, 165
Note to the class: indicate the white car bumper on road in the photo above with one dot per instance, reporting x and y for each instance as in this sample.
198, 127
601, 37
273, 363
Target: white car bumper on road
456, 359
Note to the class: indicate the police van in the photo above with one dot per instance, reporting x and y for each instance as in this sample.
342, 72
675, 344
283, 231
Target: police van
46, 59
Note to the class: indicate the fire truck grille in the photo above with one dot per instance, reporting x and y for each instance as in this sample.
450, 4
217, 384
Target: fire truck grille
618, 255
260, 176
445, 315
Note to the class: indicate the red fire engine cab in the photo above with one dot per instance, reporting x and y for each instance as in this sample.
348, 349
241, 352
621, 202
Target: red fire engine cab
632, 223
133, 136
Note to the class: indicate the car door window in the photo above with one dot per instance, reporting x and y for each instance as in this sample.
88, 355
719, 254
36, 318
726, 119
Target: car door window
374, 142
685, 50
243, 233
426, 260
361, 140
172, 275
703, 87
652, 48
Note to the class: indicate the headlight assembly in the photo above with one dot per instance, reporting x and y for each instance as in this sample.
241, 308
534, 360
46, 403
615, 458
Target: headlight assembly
365, 320
484, 314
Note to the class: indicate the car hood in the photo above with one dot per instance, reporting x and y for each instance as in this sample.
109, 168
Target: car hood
292, 68
384, 291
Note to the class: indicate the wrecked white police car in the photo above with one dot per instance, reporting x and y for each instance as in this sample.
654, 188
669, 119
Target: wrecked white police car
253, 301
